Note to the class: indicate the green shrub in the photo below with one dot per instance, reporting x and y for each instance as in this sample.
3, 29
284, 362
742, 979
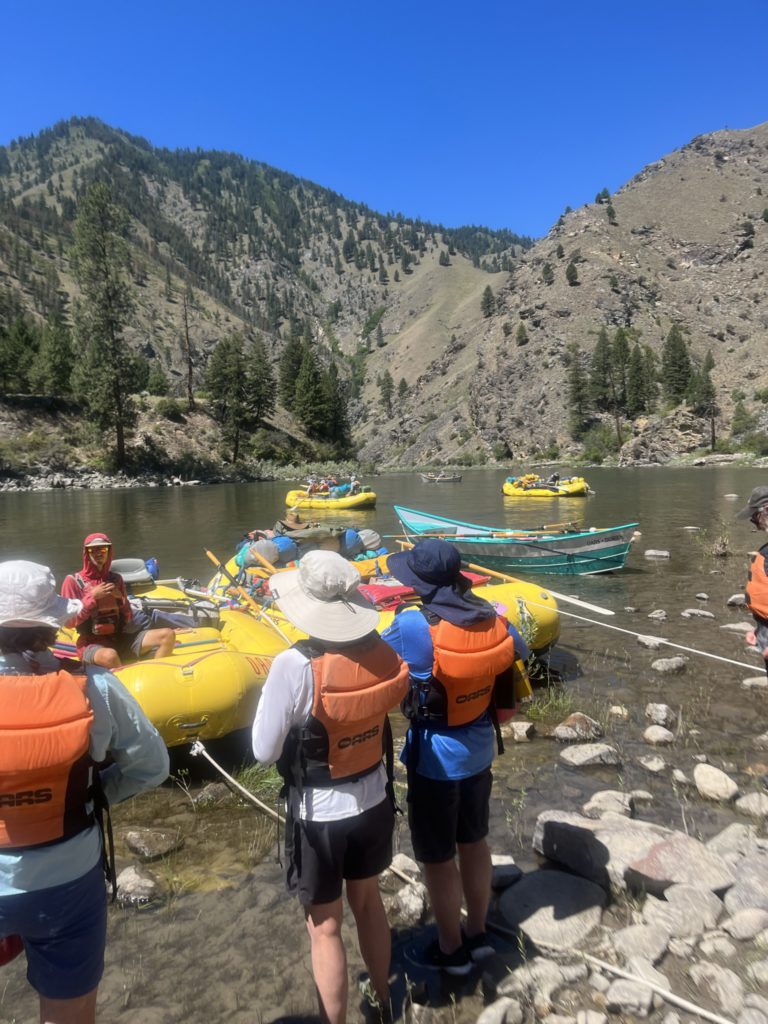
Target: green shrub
170, 409
599, 442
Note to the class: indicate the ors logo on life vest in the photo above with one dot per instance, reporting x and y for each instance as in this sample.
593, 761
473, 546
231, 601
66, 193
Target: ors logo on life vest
361, 737
26, 796
465, 698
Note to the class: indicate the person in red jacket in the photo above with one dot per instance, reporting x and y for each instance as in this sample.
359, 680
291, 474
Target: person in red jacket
106, 635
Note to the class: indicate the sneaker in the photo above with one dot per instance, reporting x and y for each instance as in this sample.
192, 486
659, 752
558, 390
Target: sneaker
432, 958
478, 946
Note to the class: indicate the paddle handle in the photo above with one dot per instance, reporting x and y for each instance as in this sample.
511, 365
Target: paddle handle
240, 590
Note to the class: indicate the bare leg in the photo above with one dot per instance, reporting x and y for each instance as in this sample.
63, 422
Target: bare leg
81, 1010
107, 658
161, 640
444, 886
476, 870
329, 960
372, 932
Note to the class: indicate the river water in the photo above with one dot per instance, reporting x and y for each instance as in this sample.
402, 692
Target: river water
228, 945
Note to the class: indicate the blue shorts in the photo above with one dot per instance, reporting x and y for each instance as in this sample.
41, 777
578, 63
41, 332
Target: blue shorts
64, 929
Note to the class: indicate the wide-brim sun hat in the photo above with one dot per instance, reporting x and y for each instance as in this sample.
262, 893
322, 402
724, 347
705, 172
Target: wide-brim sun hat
321, 598
428, 566
28, 597
758, 499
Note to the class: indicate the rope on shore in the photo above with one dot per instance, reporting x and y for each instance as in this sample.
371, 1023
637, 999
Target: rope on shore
198, 749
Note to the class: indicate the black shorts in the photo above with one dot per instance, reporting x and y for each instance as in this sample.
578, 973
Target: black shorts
442, 813
321, 854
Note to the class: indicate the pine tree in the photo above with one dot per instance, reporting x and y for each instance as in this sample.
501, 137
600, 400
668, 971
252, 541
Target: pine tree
262, 380
290, 364
52, 369
601, 372
702, 395
18, 349
387, 390
521, 337
308, 406
157, 382
104, 367
402, 388
743, 421
636, 385
335, 425
578, 391
620, 354
232, 388
572, 274
675, 366
547, 274
487, 302
380, 343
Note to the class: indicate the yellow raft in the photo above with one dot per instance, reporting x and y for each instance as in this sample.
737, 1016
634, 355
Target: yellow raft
532, 486
300, 499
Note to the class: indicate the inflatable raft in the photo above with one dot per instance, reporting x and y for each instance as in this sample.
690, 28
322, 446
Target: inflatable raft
532, 486
366, 498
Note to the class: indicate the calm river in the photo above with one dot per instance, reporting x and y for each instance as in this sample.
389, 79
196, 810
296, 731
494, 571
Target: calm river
228, 945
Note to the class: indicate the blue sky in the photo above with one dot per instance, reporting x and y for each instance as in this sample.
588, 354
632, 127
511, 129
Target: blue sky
498, 113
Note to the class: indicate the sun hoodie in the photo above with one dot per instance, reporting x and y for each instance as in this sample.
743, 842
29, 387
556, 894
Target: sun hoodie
114, 610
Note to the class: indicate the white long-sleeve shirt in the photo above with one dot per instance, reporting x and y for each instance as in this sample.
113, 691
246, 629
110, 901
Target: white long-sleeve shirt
286, 701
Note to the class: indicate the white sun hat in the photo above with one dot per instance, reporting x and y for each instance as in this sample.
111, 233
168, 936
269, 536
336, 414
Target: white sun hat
28, 597
321, 598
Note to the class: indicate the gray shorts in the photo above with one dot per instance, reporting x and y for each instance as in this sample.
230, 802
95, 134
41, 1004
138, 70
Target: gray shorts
128, 646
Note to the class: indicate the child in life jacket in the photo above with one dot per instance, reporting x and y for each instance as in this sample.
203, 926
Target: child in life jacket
106, 633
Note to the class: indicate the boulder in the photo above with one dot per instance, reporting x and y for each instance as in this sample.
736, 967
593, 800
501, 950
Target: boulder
755, 683
751, 888
618, 711
587, 754
151, 844
609, 801
648, 941
734, 842
212, 794
578, 727
669, 666
658, 615
714, 784
518, 731
686, 912
654, 764
504, 871
678, 858
716, 946
411, 903
736, 601
652, 643
753, 804
746, 924
696, 613
553, 909
629, 998
738, 627
658, 736
758, 973
136, 886
721, 984
537, 981
661, 714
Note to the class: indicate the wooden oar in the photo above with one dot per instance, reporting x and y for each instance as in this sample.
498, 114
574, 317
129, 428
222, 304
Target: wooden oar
256, 608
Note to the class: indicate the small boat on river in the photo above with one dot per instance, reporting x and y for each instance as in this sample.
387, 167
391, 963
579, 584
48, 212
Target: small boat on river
566, 553
441, 478
532, 486
364, 498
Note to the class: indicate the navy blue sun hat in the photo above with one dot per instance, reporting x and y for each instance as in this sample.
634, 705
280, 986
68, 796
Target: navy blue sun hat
432, 568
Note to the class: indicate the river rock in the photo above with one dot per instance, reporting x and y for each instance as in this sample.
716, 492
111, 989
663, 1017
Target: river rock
659, 615
619, 711
682, 948
738, 627
758, 973
756, 1001
212, 794
746, 924
577, 727
658, 736
553, 908
686, 911
679, 778
753, 804
652, 643
751, 888
641, 796
538, 980
585, 755
678, 858
660, 714
716, 946
721, 984
600, 850
656, 553
504, 871
408, 866
137, 885
591, 1017
696, 613
714, 784
669, 666
609, 801
761, 742
752, 1016
503, 1011
644, 969
518, 731
734, 842
701, 596
411, 903
648, 941
755, 683
629, 997
151, 844
736, 601
654, 764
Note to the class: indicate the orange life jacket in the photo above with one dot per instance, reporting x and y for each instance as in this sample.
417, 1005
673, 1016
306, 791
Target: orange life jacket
756, 590
45, 725
345, 735
105, 620
466, 663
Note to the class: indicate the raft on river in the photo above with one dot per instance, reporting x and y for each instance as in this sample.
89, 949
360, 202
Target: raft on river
533, 486
365, 498
570, 553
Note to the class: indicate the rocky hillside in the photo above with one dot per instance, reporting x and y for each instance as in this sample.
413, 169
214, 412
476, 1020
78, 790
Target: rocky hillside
240, 245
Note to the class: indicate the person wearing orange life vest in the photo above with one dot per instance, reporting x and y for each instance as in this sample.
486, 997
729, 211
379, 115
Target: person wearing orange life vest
323, 717
459, 651
55, 729
105, 632
756, 589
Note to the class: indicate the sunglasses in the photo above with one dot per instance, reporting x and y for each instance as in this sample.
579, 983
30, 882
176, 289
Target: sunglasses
97, 550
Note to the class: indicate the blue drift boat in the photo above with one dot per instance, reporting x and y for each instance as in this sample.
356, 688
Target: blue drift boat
564, 553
